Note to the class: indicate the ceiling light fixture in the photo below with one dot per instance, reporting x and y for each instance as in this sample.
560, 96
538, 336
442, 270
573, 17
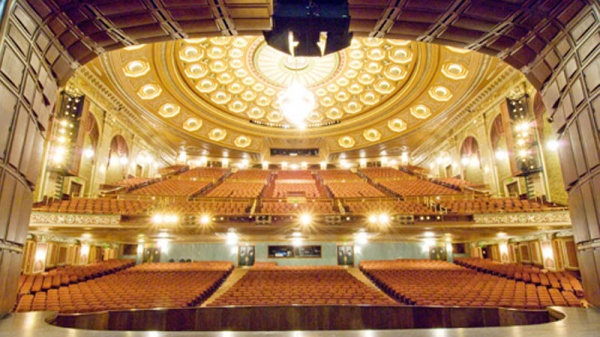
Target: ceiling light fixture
296, 103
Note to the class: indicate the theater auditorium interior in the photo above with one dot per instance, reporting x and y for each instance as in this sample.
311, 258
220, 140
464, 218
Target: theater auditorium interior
305, 167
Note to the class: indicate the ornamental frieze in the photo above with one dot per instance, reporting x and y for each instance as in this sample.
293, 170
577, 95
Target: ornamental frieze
520, 218
45, 219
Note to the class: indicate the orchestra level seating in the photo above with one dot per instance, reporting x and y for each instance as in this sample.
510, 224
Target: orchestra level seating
300, 285
427, 282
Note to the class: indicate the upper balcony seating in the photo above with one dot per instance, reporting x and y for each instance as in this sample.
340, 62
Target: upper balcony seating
234, 189
203, 173
200, 207
294, 175
132, 183
250, 175
416, 188
96, 206
455, 183
358, 189
329, 176
385, 173
174, 169
301, 190
175, 188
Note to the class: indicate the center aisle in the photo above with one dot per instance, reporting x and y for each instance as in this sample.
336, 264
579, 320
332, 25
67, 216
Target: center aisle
235, 276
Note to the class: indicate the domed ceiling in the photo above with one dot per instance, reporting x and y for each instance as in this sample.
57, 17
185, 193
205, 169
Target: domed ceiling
227, 90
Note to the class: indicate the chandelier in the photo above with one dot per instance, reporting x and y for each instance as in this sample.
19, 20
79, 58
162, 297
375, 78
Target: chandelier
296, 104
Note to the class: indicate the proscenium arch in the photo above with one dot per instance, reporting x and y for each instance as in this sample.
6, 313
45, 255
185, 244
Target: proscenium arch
553, 42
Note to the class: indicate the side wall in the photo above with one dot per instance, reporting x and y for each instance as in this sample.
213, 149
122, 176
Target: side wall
569, 70
29, 64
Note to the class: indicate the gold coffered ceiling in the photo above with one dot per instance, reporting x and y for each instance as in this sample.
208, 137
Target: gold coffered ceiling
225, 90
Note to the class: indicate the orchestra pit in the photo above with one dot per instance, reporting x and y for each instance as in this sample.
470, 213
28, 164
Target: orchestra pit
300, 168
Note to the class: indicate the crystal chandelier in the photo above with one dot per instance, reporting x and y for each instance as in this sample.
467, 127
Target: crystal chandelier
296, 104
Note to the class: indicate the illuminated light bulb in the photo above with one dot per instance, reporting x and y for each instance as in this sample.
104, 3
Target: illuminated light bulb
373, 218
88, 153
428, 234
205, 219
158, 218
384, 218
305, 219
361, 238
553, 145
520, 142
232, 238
296, 103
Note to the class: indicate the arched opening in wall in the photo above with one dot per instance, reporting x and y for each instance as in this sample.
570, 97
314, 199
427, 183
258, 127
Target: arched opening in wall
118, 160
471, 161
89, 151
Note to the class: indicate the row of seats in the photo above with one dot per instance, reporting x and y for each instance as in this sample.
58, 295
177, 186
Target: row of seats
65, 275
134, 182
250, 175
171, 187
338, 176
231, 189
416, 187
385, 173
186, 207
148, 286
95, 206
528, 274
293, 285
305, 189
455, 183
294, 175
425, 282
295, 208
353, 189
173, 169
203, 173
388, 207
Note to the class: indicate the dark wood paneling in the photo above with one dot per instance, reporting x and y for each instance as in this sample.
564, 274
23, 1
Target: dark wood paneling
286, 318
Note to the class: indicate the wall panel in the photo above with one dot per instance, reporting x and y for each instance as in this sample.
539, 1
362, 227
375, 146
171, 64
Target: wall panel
571, 94
28, 90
